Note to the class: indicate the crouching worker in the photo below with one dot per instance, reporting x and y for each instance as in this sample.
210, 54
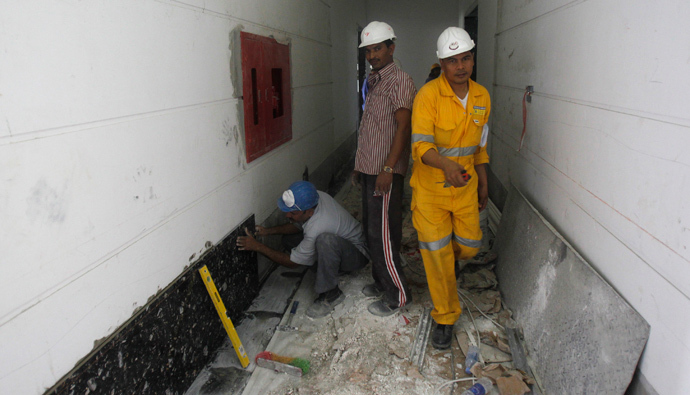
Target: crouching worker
331, 238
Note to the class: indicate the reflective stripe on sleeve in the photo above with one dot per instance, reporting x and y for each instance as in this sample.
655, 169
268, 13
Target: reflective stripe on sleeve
457, 151
416, 137
466, 242
435, 245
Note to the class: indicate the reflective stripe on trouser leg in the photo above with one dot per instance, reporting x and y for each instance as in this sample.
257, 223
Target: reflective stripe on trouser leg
384, 233
434, 230
388, 250
467, 235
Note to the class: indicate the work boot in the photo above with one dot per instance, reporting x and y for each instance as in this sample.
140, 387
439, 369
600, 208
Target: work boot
442, 336
372, 290
324, 304
382, 309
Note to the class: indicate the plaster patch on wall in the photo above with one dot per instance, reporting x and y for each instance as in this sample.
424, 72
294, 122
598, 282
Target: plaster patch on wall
144, 176
47, 203
235, 62
236, 133
285, 40
235, 68
227, 132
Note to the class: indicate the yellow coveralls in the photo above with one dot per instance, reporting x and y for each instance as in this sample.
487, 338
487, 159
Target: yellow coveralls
447, 219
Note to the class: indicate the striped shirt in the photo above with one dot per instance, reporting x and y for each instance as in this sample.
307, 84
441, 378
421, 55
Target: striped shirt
392, 89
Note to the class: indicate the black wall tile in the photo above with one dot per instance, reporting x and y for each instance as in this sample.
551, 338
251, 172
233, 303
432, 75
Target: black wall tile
162, 349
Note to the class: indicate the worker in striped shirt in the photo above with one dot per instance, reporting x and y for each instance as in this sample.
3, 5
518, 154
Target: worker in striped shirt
383, 152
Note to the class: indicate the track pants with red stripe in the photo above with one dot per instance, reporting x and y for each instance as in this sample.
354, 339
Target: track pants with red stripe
382, 222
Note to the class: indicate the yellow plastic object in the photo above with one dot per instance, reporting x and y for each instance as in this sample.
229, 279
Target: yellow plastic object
223, 313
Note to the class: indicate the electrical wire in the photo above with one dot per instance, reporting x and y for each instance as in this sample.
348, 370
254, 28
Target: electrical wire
476, 328
450, 382
460, 293
452, 364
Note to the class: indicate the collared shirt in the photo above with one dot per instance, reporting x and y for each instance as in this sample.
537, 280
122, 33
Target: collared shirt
329, 217
442, 123
390, 89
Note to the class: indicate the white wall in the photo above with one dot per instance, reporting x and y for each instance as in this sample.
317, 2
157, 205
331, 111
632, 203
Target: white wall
607, 153
121, 155
417, 25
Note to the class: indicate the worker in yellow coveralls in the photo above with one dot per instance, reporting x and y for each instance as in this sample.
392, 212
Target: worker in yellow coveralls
449, 181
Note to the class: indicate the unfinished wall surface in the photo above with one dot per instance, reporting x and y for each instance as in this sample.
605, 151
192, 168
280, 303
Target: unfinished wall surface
582, 336
122, 157
417, 25
607, 149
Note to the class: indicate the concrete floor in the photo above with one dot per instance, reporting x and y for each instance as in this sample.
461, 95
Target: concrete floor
350, 351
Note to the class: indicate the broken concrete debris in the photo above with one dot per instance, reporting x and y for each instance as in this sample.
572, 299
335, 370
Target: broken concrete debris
481, 279
508, 381
353, 352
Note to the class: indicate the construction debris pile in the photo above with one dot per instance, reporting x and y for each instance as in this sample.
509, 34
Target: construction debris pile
352, 352
357, 353
484, 318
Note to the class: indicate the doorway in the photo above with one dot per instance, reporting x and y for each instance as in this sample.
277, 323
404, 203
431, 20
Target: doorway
361, 72
471, 26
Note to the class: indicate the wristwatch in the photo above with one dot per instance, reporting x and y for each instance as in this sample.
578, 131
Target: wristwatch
387, 169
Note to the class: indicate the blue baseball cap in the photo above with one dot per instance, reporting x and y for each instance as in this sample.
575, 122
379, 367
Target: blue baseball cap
300, 196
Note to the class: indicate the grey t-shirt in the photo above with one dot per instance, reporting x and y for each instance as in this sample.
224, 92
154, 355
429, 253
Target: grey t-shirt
329, 217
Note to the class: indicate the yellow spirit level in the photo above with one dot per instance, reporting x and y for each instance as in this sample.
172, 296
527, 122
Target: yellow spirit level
223, 313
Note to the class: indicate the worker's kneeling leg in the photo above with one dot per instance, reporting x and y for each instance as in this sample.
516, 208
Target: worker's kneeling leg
335, 255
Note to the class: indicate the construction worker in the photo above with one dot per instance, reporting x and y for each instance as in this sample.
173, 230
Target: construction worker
332, 239
449, 177
434, 72
381, 162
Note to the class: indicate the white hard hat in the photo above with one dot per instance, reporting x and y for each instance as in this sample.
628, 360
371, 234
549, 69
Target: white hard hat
452, 42
376, 32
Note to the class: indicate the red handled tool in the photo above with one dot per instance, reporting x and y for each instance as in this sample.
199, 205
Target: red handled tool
465, 176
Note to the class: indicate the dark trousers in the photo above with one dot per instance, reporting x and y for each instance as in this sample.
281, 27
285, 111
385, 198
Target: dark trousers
382, 222
335, 256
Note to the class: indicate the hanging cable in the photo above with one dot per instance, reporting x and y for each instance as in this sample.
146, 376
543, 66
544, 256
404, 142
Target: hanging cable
525, 99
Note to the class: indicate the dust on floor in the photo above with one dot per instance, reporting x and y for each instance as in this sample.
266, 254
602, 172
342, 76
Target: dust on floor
354, 352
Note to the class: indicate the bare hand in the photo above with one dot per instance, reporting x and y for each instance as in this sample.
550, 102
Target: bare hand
453, 172
383, 183
247, 243
261, 231
483, 194
354, 178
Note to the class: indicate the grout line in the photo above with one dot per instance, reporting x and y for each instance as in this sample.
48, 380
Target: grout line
636, 225
74, 128
184, 5
671, 120
540, 16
